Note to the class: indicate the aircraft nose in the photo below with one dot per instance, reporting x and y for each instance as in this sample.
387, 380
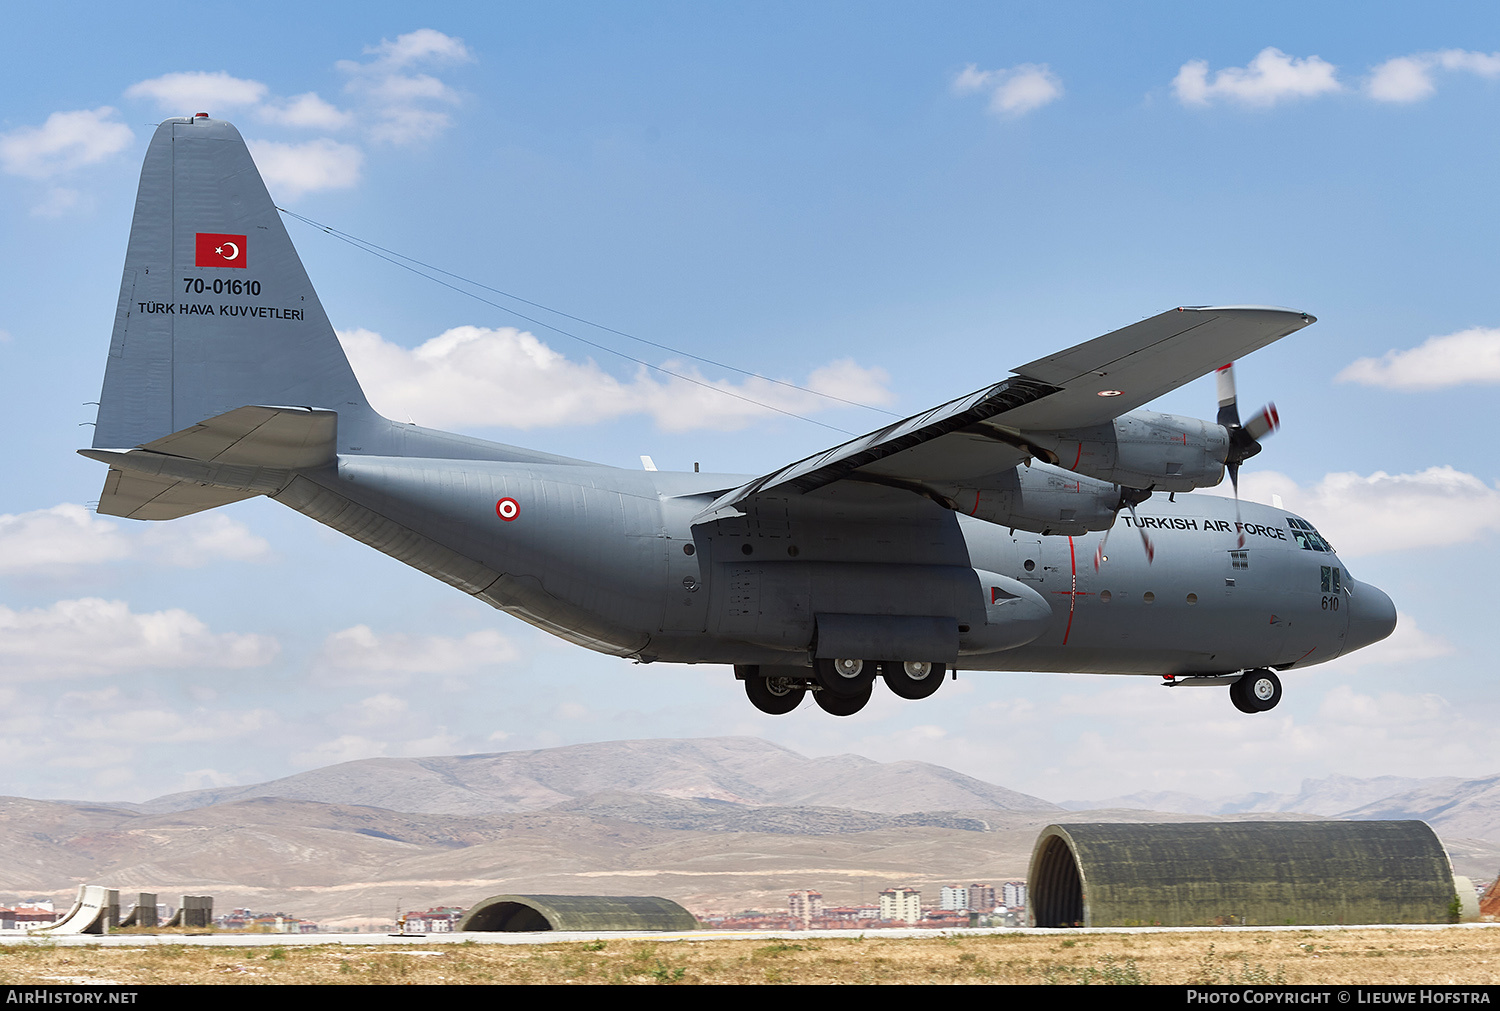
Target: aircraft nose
1372, 616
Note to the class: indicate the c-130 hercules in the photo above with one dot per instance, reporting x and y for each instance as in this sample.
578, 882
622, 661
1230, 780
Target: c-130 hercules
970, 535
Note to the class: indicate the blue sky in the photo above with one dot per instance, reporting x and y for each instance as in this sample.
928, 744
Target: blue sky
894, 203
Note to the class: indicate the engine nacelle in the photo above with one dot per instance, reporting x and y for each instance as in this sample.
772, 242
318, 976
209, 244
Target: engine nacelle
1142, 450
1039, 498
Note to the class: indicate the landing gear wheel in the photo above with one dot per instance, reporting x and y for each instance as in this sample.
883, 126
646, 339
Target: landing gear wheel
1237, 697
842, 705
914, 679
777, 695
1257, 691
845, 677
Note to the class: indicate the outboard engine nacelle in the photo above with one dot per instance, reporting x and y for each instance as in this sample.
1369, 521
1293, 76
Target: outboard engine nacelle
1167, 452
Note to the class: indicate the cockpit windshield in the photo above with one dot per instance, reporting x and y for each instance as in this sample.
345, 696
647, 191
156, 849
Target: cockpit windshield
1306, 537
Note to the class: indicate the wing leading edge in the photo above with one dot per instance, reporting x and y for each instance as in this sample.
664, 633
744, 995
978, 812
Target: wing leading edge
1088, 384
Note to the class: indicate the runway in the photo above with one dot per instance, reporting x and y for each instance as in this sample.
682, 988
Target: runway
238, 940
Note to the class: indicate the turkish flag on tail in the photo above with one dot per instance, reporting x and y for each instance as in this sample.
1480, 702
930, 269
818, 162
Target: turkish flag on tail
215, 250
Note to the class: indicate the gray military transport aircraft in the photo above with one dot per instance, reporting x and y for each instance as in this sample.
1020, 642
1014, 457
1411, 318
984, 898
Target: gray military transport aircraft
973, 534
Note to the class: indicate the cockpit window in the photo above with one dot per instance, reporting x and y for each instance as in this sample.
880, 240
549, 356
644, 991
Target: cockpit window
1306, 537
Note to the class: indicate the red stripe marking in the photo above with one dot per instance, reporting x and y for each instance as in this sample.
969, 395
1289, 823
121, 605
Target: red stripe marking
1072, 596
1077, 458
976, 504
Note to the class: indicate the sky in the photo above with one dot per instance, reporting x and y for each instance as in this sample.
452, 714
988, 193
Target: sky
888, 203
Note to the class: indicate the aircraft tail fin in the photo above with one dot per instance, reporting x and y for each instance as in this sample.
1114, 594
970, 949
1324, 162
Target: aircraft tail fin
216, 311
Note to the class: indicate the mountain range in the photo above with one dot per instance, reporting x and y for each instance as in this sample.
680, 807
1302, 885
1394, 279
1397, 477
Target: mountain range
716, 823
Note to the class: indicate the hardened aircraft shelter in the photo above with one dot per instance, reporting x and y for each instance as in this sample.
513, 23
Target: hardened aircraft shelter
1101, 874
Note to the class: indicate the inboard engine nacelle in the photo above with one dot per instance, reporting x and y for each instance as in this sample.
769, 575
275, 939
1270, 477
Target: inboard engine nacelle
1039, 498
1167, 452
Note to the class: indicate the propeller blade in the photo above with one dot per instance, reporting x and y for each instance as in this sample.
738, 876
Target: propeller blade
1229, 411
1239, 526
1145, 539
1099, 555
1264, 423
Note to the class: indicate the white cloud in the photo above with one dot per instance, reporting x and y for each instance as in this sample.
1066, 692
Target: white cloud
1271, 77
377, 710
1353, 732
1464, 358
345, 748
93, 636
291, 170
1013, 91
1385, 512
307, 110
420, 45
1408, 79
165, 726
65, 535
59, 200
359, 655
1403, 79
352, 747
403, 105
1407, 644
188, 92
473, 376
195, 541
66, 141
68, 535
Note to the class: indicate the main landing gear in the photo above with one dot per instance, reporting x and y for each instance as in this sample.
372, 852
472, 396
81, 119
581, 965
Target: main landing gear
840, 687
1257, 691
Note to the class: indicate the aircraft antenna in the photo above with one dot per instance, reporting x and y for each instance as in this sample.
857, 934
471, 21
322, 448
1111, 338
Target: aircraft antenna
405, 262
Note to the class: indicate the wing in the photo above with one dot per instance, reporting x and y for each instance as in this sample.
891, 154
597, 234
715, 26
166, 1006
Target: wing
1092, 383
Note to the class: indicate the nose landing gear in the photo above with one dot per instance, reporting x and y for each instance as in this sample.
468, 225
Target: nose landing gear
1257, 691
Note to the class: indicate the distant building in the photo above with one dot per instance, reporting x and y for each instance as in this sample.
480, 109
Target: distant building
1014, 894
27, 915
805, 905
901, 904
954, 898
438, 920
982, 898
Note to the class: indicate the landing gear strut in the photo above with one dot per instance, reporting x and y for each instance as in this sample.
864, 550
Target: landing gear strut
1257, 691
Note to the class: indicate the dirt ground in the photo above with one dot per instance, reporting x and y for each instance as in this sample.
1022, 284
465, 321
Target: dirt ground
1360, 956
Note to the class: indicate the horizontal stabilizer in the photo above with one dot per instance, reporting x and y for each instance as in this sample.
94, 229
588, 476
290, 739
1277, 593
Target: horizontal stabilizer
244, 452
290, 438
149, 497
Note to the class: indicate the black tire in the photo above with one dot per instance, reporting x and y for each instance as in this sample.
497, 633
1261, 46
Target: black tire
776, 695
899, 678
1257, 691
848, 678
1237, 696
842, 705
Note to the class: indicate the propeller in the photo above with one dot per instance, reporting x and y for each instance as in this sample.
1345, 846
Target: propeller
1129, 499
1244, 440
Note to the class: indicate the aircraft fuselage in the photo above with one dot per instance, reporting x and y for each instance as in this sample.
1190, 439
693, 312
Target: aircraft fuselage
609, 558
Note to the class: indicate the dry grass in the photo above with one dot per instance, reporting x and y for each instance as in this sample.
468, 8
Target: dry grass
1371, 956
